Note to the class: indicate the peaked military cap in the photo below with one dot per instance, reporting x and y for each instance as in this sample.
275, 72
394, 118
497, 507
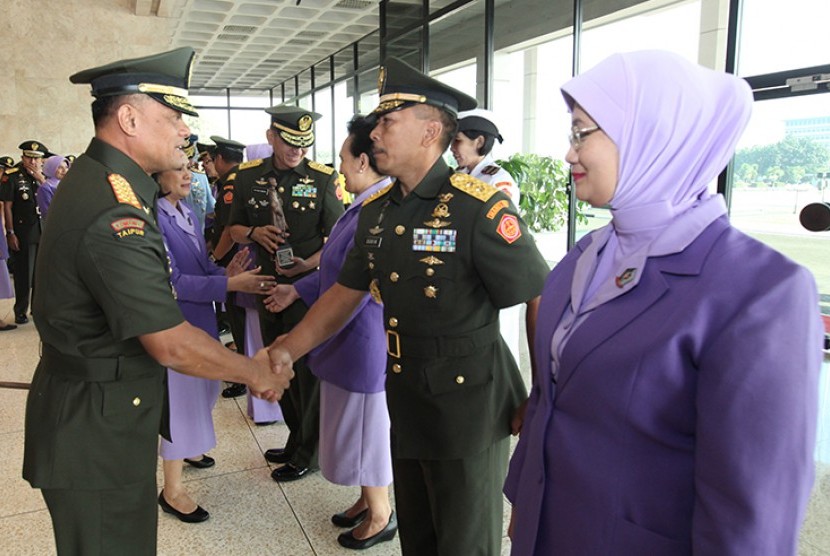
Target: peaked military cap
401, 86
190, 145
294, 124
6, 162
479, 119
228, 146
165, 77
34, 149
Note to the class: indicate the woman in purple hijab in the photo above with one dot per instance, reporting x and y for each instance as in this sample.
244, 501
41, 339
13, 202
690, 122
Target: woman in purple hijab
673, 410
54, 169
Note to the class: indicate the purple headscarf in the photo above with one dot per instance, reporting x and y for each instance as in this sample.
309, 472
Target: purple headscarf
50, 167
675, 125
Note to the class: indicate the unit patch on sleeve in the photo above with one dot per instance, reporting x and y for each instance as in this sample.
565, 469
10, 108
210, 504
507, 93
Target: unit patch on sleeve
494, 210
509, 228
124, 227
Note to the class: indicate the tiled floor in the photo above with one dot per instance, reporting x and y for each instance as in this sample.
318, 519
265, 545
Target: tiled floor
250, 514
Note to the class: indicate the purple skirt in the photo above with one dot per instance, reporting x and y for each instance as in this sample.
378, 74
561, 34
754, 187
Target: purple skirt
260, 411
6, 288
354, 437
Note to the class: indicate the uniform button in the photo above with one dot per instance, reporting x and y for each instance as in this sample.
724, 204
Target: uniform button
295, 204
393, 322
394, 276
396, 368
400, 230
281, 190
136, 401
430, 271
459, 379
371, 266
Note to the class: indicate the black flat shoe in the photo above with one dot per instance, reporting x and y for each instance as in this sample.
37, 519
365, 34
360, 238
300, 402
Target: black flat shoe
342, 520
347, 539
8, 327
277, 455
196, 516
21, 319
264, 423
203, 463
288, 473
234, 390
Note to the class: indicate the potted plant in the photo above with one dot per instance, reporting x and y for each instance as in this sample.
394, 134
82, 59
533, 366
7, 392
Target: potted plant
543, 182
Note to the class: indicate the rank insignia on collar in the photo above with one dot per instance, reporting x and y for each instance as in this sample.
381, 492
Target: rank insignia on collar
437, 223
431, 260
626, 277
441, 211
431, 292
445, 197
147, 210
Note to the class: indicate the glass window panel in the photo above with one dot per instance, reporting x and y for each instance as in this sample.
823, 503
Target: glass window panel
368, 91
304, 82
456, 42
305, 102
368, 51
402, 14
409, 48
781, 165
211, 121
209, 100
248, 126
675, 28
322, 73
435, 5
251, 99
777, 36
344, 62
323, 128
343, 109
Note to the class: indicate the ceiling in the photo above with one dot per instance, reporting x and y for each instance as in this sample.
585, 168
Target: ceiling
257, 44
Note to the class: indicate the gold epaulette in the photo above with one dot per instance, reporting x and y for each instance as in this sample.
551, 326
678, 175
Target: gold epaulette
12, 170
378, 193
473, 187
123, 191
314, 165
251, 163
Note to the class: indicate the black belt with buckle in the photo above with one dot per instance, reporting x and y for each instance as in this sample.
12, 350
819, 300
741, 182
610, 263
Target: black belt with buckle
441, 346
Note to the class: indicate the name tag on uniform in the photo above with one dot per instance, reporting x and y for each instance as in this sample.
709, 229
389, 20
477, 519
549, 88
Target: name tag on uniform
372, 242
427, 239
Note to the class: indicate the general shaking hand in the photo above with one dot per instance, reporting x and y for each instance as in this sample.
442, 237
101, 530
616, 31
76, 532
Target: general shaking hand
269, 382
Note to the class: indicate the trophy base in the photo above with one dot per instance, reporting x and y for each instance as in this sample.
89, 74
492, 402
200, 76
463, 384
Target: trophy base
284, 257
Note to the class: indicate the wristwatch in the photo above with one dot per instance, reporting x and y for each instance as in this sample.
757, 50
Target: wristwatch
9, 232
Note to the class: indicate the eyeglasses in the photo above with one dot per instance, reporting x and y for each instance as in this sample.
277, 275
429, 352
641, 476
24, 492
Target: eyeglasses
578, 135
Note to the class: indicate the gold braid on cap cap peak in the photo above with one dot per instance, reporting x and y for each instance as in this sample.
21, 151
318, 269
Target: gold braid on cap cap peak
179, 101
161, 89
298, 140
391, 101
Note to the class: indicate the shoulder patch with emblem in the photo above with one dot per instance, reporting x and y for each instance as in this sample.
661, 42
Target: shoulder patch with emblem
124, 194
377, 194
251, 163
473, 187
508, 228
314, 165
491, 170
124, 227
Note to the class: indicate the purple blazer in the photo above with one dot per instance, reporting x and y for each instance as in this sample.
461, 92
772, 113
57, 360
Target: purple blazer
197, 281
684, 416
44, 196
355, 358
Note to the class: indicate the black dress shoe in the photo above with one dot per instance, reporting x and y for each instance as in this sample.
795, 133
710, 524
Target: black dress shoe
21, 319
234, 390
203, 463
196, 516
277, 455
347, 539
7, 327
289, 472
264, 423
342, 520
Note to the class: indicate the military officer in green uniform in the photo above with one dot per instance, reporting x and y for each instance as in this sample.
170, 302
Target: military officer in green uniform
108, 320
443, 252
310, 202
227, 156
17, 191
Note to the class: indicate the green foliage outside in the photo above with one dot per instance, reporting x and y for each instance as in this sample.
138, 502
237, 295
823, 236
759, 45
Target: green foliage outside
792, 160
543, 182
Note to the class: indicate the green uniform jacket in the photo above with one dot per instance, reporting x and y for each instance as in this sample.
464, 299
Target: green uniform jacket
19, 188
443, 260
97, 399
222, 211
310, 200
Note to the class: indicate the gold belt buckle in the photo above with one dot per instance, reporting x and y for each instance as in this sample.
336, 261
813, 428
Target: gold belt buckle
392, 336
